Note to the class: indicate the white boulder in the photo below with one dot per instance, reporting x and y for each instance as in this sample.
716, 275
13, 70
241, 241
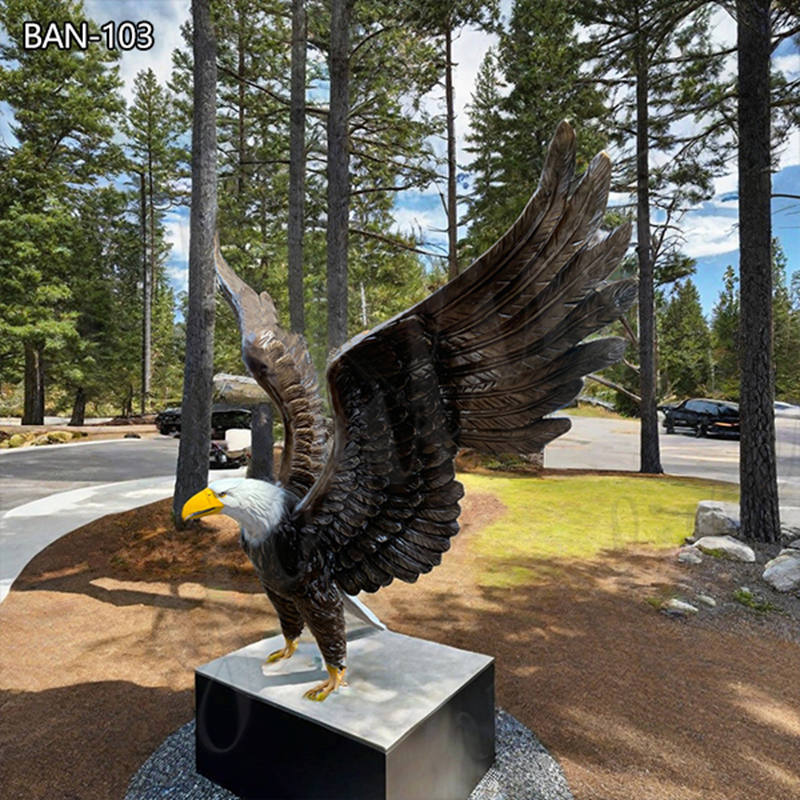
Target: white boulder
678, 607
725, 546
707, 600
689, 555
783, 572
714, 518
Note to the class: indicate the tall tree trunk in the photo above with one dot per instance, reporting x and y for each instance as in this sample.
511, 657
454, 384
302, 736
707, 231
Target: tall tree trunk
240, 70
757, 470
195, 441
338, 172
127, 403
452, 201
147, 305
297, 167
78, 408
152, 277
33, 412
261, 444
650, 458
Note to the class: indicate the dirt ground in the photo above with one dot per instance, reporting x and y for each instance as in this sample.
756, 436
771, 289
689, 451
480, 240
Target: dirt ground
100, 635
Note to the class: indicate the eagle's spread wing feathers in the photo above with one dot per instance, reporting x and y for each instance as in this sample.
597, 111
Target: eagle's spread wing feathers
478, 363
387, 502
281, 364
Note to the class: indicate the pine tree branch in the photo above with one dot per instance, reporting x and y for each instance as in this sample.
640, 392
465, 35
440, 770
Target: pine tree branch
315, 110
371, 189
369, 37
395, 242
629, 332
612, 385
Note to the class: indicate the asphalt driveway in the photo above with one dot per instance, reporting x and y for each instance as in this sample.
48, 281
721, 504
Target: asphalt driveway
31, 473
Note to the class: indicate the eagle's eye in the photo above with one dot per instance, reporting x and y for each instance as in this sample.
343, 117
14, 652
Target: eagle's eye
221, 494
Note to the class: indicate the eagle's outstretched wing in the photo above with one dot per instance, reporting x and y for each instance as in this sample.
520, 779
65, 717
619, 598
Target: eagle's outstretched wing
480, 363
281, 364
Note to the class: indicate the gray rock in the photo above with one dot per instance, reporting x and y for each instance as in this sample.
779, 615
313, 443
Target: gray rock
714, 518
790, 534
726, 546
689, 555
678, 608
706, 600
783, 572
795, 544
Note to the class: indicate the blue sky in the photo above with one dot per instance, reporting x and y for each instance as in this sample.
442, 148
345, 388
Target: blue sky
709, 230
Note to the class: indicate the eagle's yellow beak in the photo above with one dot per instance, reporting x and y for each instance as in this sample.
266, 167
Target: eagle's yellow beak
202, 504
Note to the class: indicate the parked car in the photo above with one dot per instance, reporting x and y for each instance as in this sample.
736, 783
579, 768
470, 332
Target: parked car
702, 416
786, 410
223, 418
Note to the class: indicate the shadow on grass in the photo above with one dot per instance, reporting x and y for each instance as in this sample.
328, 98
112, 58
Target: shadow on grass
110, 558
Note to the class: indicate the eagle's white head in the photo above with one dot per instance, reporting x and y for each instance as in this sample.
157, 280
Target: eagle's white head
256, 505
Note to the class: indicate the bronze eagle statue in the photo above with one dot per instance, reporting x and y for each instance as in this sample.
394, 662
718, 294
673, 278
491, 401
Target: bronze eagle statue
479, 363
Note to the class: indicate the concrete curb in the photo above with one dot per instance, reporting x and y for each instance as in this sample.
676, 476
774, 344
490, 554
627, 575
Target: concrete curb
7, 451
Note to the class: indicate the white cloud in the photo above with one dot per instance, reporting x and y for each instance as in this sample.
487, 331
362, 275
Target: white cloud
709, 234
178, 276
789, 63
416, 221
177, 230
790, 152
166, 18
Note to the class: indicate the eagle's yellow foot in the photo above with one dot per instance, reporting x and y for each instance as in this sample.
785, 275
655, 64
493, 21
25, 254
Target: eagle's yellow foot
335, 680
286, 652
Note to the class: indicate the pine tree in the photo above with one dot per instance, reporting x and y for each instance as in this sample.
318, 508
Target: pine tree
652, 56
387, 131
757, 465
100, 364
786, 329
684, 343
192, 468
725, 338
152, 130
442, 19
489, 204
64, 103
540, 60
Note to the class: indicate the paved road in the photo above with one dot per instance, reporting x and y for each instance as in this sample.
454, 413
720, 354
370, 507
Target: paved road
592, 443
595, 443
32, 473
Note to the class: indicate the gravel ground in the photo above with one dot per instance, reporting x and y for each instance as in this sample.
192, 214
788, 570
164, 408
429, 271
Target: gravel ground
523, 770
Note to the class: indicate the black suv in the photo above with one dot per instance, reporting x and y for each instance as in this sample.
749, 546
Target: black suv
223, 418
702, 416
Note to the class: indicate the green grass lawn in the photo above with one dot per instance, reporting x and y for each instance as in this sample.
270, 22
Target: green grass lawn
578, 517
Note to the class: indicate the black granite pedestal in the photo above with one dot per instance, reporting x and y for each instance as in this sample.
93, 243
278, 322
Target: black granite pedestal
416, 722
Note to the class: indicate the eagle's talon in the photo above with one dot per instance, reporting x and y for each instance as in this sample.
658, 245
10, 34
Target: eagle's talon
335, 680
285, 652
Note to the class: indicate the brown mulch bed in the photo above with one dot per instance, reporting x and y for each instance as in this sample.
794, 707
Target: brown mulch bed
100, 635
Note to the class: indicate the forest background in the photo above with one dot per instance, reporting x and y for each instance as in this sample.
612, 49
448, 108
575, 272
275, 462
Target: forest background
450, 114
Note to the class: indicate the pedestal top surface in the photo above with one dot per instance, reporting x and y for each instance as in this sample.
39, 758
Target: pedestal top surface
394, 682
